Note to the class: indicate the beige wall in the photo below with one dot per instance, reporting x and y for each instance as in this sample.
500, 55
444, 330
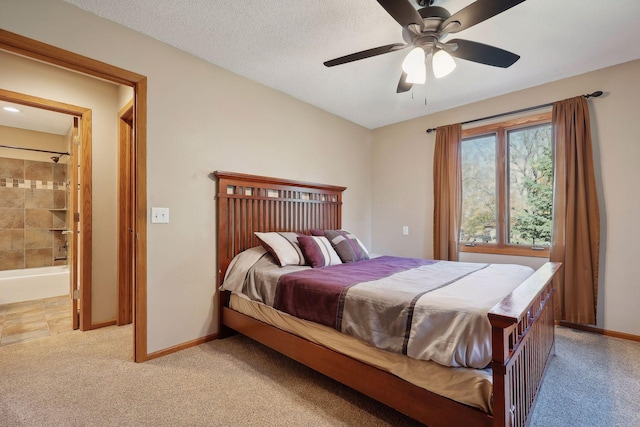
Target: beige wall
403, 182
34, 78
202, 118
125, 94
30, 139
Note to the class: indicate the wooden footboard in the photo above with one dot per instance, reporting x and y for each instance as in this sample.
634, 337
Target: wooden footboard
523, 337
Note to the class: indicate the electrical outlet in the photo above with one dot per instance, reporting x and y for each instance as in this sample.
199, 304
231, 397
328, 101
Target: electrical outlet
160, 215
405, 230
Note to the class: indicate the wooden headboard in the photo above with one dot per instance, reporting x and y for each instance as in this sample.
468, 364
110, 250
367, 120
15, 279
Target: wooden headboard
249, 203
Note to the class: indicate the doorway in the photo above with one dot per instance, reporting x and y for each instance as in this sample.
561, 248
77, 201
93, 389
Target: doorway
64, 211
49, 54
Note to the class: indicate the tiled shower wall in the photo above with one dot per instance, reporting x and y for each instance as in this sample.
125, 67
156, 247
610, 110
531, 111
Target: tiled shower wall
32, 213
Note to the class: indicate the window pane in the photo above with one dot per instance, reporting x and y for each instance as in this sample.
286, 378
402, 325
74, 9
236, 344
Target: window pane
530, 185
479, 190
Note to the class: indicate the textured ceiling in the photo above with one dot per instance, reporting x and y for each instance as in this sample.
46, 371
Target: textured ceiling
283, 44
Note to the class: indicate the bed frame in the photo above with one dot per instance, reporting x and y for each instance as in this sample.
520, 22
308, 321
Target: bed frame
522, 323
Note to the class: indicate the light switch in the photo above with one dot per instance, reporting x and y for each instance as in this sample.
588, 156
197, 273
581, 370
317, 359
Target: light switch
160, 215
405, 230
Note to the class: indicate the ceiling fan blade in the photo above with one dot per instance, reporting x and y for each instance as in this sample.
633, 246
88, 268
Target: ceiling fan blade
402, 12
479, 11
403, 84
365, 54
482, 53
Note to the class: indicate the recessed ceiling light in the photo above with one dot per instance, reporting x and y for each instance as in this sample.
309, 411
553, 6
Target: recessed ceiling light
11, 109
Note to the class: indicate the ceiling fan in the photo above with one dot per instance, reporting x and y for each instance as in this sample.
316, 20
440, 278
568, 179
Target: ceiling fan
423, 29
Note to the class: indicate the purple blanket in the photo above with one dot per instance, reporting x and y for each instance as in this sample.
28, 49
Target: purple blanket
308, 294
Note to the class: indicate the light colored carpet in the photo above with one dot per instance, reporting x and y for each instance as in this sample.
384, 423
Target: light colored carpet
88, 379
592, 381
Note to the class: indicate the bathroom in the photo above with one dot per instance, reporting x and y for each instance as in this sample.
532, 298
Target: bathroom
33, 221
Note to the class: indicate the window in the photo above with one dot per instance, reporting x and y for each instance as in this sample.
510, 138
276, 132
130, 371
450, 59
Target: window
507, 187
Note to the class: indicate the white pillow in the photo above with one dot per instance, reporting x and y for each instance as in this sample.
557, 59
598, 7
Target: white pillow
283, 246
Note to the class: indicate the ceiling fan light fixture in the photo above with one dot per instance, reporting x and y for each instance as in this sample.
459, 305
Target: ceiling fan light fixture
414, 61
443, 64
419, 76
423, 31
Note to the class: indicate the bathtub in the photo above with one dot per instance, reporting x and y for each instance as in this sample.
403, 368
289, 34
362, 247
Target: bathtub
33, 283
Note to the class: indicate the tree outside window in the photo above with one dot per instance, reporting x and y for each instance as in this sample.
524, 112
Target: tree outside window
531, 185
507, 187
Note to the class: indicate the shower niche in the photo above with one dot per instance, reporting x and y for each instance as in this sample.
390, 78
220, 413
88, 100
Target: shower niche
60, 237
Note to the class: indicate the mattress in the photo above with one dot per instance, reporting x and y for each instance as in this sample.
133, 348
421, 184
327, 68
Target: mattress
424, 309
469, 386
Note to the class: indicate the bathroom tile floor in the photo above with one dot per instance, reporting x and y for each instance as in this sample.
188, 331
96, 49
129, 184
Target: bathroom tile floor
29, 320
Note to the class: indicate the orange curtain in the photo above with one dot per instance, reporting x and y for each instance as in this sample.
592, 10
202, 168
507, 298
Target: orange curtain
447, 192
576, 218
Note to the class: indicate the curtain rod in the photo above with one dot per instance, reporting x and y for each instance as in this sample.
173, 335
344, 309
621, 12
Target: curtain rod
537, 107
35, 149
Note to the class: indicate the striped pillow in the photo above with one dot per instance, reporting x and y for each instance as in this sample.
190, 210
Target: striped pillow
318, 251
283, 247
347, 245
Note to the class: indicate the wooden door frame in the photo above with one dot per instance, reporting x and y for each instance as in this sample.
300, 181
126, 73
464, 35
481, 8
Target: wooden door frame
126, 243
85, 194
52, 55
72, 221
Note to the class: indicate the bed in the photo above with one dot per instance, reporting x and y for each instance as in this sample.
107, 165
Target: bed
521, 324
